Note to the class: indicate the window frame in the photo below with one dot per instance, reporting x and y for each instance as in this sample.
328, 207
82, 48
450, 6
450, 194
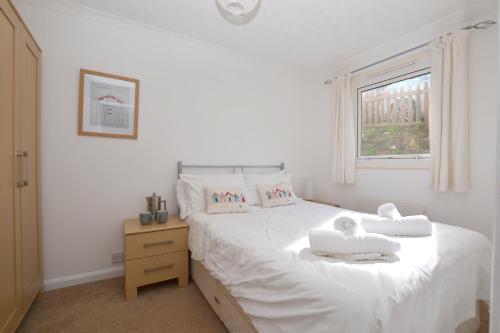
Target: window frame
384, 82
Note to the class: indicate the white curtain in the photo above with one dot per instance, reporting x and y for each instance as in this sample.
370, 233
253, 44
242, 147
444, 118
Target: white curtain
449, 115
344, 139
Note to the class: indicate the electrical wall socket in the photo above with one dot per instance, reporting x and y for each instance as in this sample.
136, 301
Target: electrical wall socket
117, 258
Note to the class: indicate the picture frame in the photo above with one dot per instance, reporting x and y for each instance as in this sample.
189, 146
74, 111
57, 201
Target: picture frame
108, 105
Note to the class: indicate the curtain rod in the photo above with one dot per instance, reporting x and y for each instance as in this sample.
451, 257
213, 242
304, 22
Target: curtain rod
478, 26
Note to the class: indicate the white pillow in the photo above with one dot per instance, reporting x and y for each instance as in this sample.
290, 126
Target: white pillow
276, 195
254, 179
196, 184
182, 202
220, 200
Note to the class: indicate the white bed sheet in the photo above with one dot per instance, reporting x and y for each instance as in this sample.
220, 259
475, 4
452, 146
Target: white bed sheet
263, 259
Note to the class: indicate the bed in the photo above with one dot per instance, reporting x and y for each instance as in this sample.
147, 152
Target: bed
257, 272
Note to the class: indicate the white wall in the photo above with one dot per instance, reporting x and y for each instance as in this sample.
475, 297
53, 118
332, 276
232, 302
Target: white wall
474, 210
203, 103
495, 281
199, 103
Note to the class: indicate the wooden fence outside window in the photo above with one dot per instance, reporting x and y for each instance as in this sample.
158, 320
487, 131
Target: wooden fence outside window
403, 106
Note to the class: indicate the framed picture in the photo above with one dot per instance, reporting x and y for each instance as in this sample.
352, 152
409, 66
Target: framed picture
109, 105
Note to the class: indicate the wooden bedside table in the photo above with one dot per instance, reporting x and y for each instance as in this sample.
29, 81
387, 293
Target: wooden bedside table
155, 253
328, 203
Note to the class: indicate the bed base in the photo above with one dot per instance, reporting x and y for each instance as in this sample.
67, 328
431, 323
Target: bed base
223, 304
235, 319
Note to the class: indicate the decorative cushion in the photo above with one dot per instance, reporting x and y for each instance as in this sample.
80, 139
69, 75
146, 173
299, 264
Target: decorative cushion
226, 200
195, 185
253, 179
276, 195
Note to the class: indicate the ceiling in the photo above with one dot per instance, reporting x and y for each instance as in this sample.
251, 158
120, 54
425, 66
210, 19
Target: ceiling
308, 34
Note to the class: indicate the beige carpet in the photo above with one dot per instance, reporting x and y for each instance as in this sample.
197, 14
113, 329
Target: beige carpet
101, 307
484, 315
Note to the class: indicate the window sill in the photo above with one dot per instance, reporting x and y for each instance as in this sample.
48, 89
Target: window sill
420, 164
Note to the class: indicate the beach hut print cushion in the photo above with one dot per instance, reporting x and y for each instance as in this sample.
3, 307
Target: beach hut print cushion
276, 195
221, 200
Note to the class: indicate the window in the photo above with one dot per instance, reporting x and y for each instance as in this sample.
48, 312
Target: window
393, 117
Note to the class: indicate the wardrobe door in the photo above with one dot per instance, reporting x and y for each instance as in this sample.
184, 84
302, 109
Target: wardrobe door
9, 271
31, 265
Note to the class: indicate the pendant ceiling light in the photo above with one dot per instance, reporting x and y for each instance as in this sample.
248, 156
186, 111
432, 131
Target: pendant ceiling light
238, 12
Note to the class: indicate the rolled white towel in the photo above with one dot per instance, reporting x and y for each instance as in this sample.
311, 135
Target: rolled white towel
348, 225
390, 211
415, 219
335, 242
411, 226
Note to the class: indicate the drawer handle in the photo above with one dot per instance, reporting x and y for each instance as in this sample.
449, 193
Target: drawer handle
158, 243
152, 269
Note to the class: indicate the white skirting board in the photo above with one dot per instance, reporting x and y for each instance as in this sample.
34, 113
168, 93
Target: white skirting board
73, 280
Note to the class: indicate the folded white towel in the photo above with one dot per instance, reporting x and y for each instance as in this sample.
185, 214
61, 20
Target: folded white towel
412, 226
389, 210
353, 257
348, 225
336, 242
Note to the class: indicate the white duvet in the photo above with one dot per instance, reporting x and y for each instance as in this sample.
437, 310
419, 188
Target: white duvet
263, 259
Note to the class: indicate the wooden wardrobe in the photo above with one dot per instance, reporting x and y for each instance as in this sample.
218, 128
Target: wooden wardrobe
20, 229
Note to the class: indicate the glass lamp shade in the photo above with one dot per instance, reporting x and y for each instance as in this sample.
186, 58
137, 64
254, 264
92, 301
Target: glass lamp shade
238, 12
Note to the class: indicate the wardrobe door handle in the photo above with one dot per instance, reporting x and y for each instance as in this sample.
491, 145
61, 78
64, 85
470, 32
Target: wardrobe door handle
26, 169
19, 166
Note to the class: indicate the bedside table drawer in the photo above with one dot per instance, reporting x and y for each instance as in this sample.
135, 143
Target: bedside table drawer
155, 243
154, 269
